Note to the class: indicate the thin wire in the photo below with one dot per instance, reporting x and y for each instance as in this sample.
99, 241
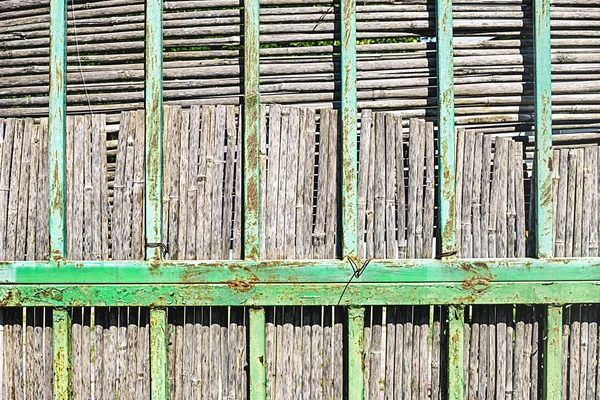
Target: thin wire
87, 96
356, 273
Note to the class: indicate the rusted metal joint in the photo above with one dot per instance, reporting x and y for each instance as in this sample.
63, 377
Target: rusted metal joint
163, 246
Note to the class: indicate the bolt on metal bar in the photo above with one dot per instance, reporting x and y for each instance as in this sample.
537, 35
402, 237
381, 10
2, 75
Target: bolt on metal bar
61, 335
356, 333
456, 338
154, 128
446, 134
543, 129
57, 118
258, 371
251, 146
553, 354
349, 133
158, 354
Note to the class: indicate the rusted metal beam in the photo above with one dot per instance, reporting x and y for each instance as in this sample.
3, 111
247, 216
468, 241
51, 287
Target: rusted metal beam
553, 354
258, 362
61, 335
456, 339
158, 354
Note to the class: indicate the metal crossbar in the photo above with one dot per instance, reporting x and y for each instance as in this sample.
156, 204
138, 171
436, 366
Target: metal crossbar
157, 283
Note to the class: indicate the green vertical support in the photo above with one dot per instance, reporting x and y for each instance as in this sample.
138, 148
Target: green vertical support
447, 162
553, 354
61, 333
158, 354
356, 370
251, 146
456, 338
258, 371
349, 134
154, 128
57, 117
543, 129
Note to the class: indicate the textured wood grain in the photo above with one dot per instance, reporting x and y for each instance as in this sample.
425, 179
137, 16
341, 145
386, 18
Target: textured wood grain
379, 188
273, 180
291, 182
466, 222
429, 197
478, 172
400, 190
485, 193
390, 186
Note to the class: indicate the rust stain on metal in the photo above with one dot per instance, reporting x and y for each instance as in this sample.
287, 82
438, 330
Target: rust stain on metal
478, 285
240, 286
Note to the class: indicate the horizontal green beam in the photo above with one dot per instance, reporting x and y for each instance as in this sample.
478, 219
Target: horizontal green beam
318, 271
248, 294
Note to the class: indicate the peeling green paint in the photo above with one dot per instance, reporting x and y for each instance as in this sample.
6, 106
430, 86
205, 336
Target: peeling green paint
356, 366
158, 354
456, 340
61, 335
258, 363
57, 118
553, 354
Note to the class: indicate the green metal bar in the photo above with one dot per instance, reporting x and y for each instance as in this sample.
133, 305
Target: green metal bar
349, 133
251, 146
287, 294
447, 161
57, 119
158, 354
154, 127
258, 371
553, 354
456, 338
543, 129
61, 334
356, 367
463, 271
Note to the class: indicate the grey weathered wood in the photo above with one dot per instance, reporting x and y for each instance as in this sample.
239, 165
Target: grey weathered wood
390, 352
491, 373
13, 198
33, 192
478, 171
390, 186
424, 359
436, 360
306, 352
201, 210
99, 363
280, 361
571, 202
128, 190
400, 190
184, 147
322, 177
485, 193
466, 358
370, 204
509, 361
379, 184
484, 343
264, 151
519, 201
413, 182
561, 211
21, 225
192, 182
363, 175
501, 165
309, 175
229, 180
414, 377
316, 354
578, 223
367, 354
592, 354
38, 363
122, 366
460, 154
78, 190
217, 191
172, 157
473, 360
291, 182
232, 339
188, 360
301, 250
28, 356
8, 142
565, 359
86, 366
8, 360
98, 210
69, 145
178, 370
270, 342
327, 382
375, 360
587, 201
117, 232
407, 361
142, 363
429, 200
138, 241
281, 185
511, 207
593, 185
502, 342
467, 172
17, 351
519, 361
76, 355
338, 355
420, 156
131, 354
87, 190
333, 182
273, 179
583, 352
527, 352
237, 212
48, 363
110, 364
574, 356
399, 353
171, 356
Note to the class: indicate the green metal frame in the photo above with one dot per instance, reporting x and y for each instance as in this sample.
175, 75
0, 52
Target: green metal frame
251, 282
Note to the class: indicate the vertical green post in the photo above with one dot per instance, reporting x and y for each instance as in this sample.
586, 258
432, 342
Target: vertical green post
258, 372
446, 134
349, 133
61, 333
356, 370
158, 354
57, 118
154, 127
251, 146
553, 354
456, 338
543, 129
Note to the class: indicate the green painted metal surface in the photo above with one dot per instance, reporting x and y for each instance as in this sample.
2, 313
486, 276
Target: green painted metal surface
61, 335
446, 134
57, 118
251, 147
553, 354
456, 339
258, 364
154, 129
158, 354
543, 129
349, 131
356, 365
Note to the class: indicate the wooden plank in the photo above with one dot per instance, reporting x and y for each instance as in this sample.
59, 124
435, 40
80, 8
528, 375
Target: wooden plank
86, 367
131, 372
316, 372
478, 171
424, 361
138, 241
306, 353
273, 179
366, 124
270, 343
38, 363
379, 187
231, 345
367, 353
129, 183
201, 212
76, 377
375, 354
578, 223
486, 162
460, 154
571, 203
23, 191
48, 362
91, 225
414, 378
466, 236
400, 190
33, 192
407, 361
301, 250
399, 353
291, 184
117, 233
263, 179
99, 362
172, 158
593, 185
279, 361
473, 360
436, 358
321, 211
97, 171
561, 211
501, 162
390, 351
217, 182
76, 231
309, 175
225, 378
229, 181
390, 186
521, 245
593, 351
327, 380
101, 131
13, 198
122, 366
17, 351
178, 349
466, 357
194, 143
491, 373
69, 207
8, 129
484, 345
511, 209
283, 165
588, 189
184, 148
333, 182
237, 212
502, 343
338, 354
420, 189
412, 200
